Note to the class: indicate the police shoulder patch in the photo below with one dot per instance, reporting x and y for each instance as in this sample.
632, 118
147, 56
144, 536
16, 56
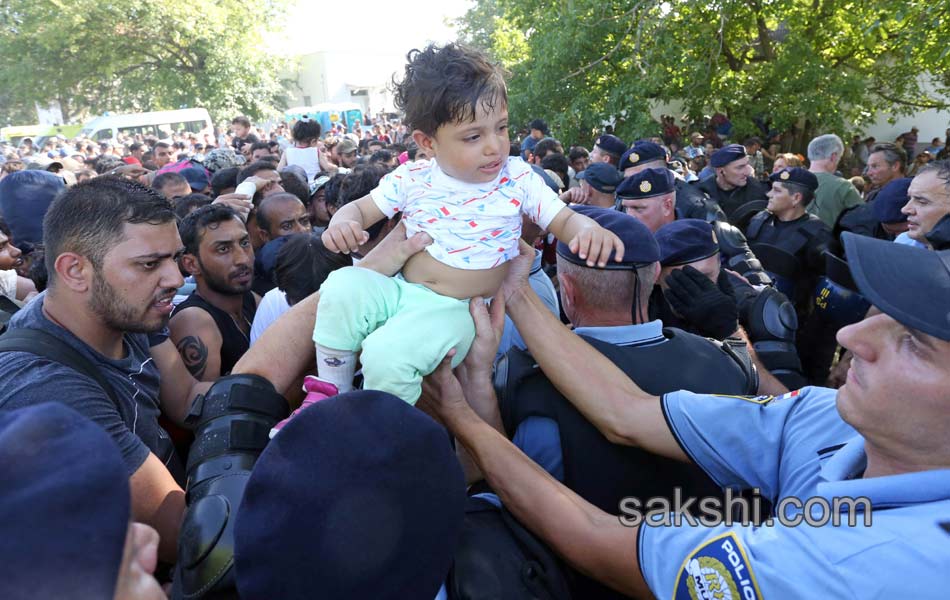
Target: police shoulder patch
752, 399
717, 570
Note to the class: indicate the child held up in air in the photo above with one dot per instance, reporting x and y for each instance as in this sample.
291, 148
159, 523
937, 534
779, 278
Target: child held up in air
469, 198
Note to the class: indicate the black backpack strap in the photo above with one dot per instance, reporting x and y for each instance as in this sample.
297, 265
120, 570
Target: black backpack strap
49, 346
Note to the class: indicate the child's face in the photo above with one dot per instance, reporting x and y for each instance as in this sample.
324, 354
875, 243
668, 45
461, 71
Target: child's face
472, 151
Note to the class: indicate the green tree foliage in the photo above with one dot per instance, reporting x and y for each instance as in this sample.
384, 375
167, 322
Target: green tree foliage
817, 64
95, 55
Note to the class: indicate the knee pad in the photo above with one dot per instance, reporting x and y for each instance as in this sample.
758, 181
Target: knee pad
231, 422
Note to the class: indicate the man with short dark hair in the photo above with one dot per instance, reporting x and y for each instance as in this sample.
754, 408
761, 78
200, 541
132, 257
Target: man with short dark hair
111, 249
162, 154
211, 327
928, 204
283, 214
886, 162
753, 148
537, 129
261, 151
137, 151
543, 149
579, 158
171, 185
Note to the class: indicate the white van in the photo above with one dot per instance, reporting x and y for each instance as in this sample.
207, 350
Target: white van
161, 124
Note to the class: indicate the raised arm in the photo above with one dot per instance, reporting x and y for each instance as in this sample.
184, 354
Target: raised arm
347, 229
589, 539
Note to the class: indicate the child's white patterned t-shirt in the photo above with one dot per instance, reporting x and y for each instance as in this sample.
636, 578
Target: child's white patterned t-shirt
472, 225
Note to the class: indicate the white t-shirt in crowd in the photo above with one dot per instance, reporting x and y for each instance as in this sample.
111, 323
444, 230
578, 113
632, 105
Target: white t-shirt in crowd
273, 304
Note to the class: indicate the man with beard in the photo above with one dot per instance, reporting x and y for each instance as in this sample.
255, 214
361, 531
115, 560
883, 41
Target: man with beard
111, 250
211, 327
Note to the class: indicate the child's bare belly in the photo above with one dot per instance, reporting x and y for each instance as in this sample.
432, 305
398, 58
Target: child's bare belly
449, 281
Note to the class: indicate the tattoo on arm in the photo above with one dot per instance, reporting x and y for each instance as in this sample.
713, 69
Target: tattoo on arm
195, 354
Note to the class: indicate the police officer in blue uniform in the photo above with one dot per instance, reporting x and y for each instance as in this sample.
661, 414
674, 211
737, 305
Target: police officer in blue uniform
608, 309
652, 195
691, 203
791, 244
788, 240
881, 439
734, 187
698, 295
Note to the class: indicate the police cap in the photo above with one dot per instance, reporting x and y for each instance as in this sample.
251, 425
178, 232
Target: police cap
642, 151
639, 246
726, 155
603, 177
685, 241
902, 281
611, 144
313, 462
890, 200
65, 507
648, 183
796, 175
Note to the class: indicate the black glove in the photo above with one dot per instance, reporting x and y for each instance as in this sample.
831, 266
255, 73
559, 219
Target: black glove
709, 308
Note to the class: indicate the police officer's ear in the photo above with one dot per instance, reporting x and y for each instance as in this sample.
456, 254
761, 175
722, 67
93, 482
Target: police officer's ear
567, 287
189, 264
668, 204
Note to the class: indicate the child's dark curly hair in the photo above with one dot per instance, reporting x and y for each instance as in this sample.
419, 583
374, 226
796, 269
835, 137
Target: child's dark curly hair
446, 84
306, 130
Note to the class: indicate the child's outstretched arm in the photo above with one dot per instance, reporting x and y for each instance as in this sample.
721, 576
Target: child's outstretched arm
586, 238
347, 229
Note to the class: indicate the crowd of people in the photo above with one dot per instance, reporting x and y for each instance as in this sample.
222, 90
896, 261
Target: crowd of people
434, 356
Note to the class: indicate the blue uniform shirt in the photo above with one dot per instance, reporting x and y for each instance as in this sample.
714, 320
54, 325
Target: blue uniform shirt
797, 446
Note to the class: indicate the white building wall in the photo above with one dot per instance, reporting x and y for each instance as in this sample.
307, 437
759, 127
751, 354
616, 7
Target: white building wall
334, 76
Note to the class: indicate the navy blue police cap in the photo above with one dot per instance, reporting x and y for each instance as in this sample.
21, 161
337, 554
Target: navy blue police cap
611, 144
726, 155
796, 175
890, 200
639, 247
902, 281
642, 152
685, 241
360, 496
603, 177
65, 505
648, 183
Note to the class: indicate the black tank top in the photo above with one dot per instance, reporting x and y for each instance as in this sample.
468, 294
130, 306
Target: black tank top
234, 342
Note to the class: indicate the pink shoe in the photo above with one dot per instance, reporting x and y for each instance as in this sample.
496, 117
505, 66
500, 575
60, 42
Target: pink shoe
317, 389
